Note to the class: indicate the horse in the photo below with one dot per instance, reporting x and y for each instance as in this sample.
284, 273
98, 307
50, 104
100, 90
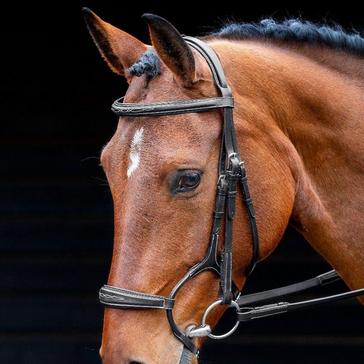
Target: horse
298, 103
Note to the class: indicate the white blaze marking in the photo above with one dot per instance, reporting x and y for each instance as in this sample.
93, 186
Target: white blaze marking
134, 155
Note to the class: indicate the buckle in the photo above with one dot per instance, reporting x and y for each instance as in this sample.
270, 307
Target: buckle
234, 165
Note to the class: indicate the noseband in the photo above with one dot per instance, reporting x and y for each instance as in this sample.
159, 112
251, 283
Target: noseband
231, 175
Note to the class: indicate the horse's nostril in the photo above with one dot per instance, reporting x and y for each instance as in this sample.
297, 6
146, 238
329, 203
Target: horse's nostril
135, 362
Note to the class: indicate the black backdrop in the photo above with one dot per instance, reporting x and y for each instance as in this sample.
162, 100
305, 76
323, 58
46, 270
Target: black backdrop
56, 212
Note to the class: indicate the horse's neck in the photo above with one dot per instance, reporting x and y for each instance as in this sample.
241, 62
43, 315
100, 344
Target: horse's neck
311, 116
348, 65
327, 133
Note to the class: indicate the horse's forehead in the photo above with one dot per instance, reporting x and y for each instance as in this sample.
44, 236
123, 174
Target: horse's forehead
168, 134
179, 140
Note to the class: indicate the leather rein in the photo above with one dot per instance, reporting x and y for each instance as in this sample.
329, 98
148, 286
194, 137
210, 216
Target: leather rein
232, 174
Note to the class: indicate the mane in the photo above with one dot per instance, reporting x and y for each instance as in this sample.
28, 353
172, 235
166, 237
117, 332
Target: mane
290, 30
295, 30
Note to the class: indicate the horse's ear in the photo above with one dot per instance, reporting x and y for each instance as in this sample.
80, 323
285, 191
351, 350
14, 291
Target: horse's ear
172, 48
119, 49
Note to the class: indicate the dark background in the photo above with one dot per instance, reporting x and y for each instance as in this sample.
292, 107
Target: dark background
55, 207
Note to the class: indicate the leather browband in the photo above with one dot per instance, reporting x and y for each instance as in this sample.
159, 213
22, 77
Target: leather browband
171, 107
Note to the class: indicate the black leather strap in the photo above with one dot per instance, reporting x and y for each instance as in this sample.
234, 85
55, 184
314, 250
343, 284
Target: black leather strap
213, 62
248, 203
232, 175
229, 169
186, 356
126, 298
171, 107
283, 307
320, 280
252, 313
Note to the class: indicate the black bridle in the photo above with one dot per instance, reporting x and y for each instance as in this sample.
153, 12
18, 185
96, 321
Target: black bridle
231, 174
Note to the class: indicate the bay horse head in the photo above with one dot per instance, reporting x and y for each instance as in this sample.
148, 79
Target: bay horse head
162, 170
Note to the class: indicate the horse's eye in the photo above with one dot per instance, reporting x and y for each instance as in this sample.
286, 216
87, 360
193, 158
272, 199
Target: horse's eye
186, 181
